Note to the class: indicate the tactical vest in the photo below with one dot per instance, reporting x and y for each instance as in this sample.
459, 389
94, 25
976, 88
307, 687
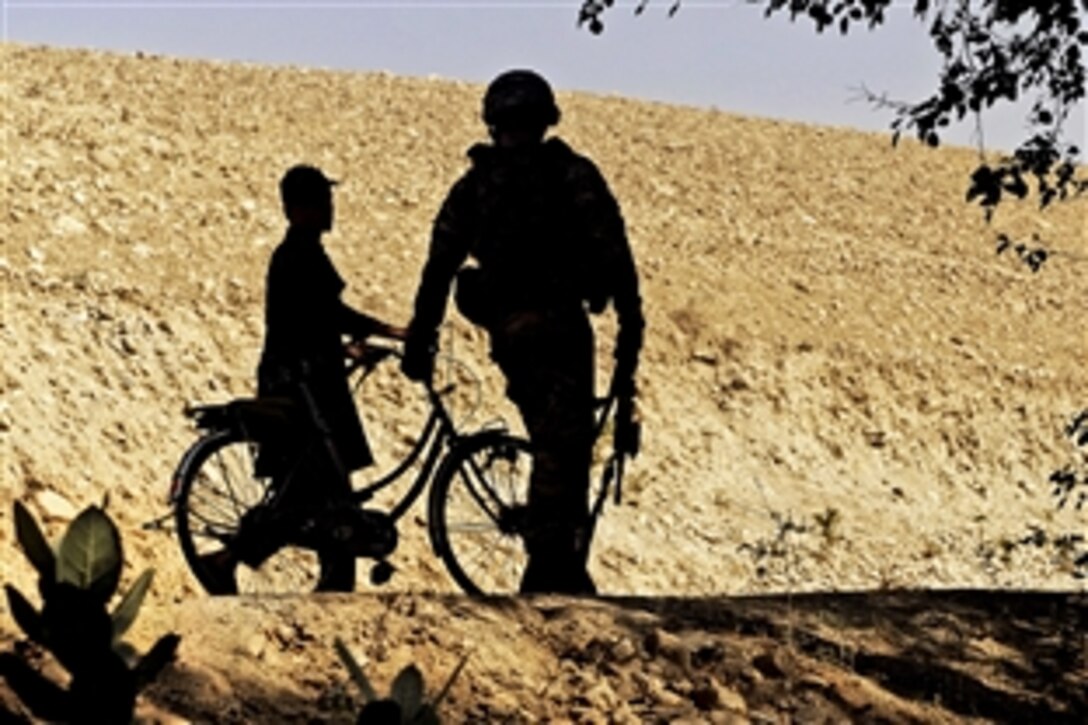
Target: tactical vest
529, 242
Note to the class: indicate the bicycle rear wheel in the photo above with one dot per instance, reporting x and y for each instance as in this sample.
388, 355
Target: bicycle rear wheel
216, 488
476, 512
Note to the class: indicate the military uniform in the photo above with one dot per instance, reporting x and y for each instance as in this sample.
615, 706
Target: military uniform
550, 245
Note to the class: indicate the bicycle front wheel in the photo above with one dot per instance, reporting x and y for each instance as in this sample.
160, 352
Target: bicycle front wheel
216, 490
477, 511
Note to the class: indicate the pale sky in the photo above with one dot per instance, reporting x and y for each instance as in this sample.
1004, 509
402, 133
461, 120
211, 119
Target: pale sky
719, 53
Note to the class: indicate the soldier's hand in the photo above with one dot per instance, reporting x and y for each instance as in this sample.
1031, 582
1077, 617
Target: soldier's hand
418, 360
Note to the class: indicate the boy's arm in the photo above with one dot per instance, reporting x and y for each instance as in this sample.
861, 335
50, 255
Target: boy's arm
361, 325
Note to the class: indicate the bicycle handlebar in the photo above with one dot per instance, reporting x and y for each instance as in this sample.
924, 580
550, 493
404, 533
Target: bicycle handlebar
371, 355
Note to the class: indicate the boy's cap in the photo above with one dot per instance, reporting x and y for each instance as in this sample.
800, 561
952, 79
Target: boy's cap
303, 182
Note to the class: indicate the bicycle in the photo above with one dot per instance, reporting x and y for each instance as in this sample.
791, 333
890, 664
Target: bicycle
482, 476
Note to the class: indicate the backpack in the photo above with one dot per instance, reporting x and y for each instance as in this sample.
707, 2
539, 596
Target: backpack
529, 244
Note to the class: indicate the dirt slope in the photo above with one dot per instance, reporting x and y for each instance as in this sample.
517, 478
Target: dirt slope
832, 343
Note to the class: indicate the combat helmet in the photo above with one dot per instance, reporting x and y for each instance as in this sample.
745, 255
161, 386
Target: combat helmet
520, 98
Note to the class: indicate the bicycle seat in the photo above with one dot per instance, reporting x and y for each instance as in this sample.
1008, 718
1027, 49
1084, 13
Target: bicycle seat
258, 417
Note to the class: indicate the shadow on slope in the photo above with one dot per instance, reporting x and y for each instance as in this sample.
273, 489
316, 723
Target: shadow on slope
897, 656
1003, 656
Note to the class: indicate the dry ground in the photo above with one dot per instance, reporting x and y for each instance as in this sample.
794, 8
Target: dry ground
832, 342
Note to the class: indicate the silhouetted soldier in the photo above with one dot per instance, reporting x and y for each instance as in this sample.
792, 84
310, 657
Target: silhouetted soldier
549, 245
304, 360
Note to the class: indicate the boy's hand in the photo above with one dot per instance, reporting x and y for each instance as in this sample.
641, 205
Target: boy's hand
395, 333
355, 349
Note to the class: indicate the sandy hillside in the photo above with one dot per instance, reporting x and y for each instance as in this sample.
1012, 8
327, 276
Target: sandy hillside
831, 342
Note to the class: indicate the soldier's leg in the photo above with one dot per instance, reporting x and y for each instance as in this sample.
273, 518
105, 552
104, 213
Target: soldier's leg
553, 389
558, 541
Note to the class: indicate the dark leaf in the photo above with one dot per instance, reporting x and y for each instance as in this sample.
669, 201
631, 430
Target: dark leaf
127, 652
24, 614
1079, 420
1046, 196
160, 655
89, 556
407, 690
1016, 185
33, 542
1036, 259
126, 611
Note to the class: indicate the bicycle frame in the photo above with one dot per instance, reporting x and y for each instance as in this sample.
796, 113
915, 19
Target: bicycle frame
436, 431
439, 435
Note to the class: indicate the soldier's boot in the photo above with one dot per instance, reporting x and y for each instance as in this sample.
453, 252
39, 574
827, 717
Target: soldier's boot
557, 563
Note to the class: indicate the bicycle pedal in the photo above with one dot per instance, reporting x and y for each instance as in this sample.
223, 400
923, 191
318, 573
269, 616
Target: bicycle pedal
367, 534
381, 573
